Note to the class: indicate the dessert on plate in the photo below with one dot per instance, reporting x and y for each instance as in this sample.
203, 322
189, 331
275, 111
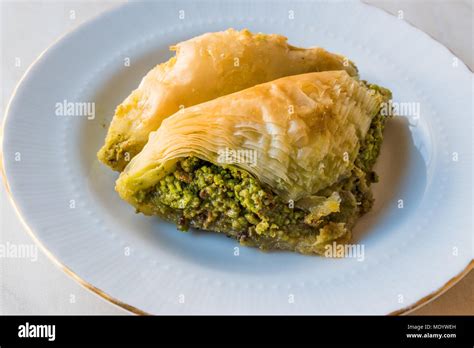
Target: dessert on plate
313, 139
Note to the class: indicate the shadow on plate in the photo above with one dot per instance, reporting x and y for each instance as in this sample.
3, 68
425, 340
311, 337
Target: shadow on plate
402, 173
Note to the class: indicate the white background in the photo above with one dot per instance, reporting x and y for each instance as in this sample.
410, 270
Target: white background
37, 286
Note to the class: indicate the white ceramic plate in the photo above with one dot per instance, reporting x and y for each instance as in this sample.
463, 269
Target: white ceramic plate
67, 198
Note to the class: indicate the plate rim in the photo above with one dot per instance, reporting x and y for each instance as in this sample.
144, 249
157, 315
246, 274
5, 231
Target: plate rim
130, 308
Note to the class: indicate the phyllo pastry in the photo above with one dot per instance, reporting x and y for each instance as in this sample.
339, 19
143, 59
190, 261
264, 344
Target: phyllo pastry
204, 68
307, 145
